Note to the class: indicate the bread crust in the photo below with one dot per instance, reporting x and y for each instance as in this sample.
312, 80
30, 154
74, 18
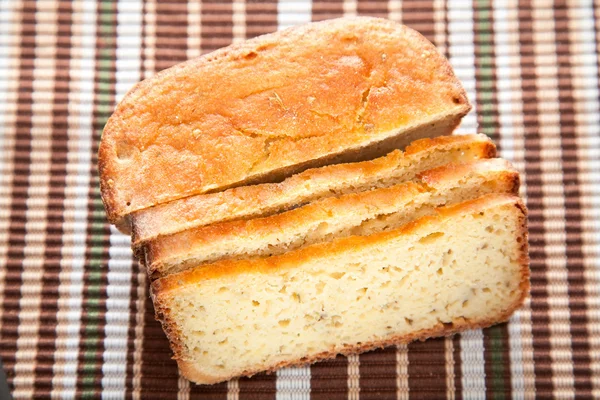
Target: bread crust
160, 289
157, 252
263, 199
272, 105
163, 286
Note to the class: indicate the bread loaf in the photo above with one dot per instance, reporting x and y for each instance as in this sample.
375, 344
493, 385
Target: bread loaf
361, 213
264, 199
258, 111
463, 267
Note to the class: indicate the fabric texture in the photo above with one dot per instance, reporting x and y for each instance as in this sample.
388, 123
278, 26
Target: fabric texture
75, 317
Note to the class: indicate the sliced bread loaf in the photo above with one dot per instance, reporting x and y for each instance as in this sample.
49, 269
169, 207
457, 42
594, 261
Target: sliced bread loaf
260, 110
462, 267
260, 200
361, 213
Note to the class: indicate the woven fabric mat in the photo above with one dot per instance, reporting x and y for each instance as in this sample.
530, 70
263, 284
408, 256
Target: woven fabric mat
75, 318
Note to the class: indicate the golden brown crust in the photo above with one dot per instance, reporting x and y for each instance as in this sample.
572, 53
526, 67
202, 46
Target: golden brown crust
271, 103
180, 245
251, 201
162, 286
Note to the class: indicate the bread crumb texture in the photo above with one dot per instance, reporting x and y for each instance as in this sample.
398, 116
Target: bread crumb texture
361, 214
318, 183
463, 267
275, 103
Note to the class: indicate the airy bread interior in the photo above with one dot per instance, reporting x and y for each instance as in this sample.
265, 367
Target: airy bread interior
265, 199
462, 267
361, 213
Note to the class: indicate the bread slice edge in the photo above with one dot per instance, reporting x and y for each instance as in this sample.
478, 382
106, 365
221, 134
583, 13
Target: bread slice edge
163, 288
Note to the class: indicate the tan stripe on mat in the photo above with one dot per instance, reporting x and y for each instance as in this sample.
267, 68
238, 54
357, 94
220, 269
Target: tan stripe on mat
37, 200
585, 81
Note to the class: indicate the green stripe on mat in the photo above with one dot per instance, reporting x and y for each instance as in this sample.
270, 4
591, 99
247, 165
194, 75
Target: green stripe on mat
485, 88
497, 351
484, 44
98, 224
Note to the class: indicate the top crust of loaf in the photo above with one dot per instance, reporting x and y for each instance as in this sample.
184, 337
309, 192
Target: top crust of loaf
251, 201
270, 106
163, 286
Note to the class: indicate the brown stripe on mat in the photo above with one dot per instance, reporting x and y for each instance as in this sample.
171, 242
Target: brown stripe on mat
216, 24
418, 15
46, 345
261, 17
426, 360
457, 367
159, 374
216, 31
495, 339
329, 379
427, 369
377, 369
134, 301
327, 9
171, 33
378, 377
539, 293
137, 294
91, 345
373, 8
20, 184
159, 371
171, 49
572, 183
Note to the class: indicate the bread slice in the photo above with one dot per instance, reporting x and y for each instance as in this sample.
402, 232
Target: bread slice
464, 267
265, 199
361, 213
258, 111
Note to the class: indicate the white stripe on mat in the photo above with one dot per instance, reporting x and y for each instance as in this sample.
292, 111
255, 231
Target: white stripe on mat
239, 20
79, 131
10, 28
462, 58
462, 55
553, 196
114, 367
293, 383
37, 198
402, 389
194, 27
585, 93
510, 111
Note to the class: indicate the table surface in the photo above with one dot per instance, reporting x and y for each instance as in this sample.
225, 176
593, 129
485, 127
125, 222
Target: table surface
75, 318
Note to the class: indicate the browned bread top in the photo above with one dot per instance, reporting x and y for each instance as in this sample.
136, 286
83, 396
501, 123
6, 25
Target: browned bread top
272, 105
258, 200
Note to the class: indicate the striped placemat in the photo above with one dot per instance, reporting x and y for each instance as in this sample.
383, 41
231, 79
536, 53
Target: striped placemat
75, 318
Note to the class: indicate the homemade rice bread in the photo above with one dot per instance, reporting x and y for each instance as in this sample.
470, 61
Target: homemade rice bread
264, 199
461, 267
362, 213
335, 91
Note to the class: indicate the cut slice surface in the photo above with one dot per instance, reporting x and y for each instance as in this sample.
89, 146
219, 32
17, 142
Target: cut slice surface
361, 213
263, 109
462, 267
251, 201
